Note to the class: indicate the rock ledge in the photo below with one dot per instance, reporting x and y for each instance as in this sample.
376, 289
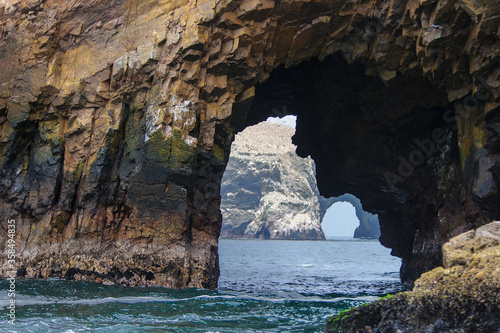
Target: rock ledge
462, 296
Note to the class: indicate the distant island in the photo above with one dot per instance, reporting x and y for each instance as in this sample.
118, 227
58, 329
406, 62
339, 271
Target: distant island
268, 192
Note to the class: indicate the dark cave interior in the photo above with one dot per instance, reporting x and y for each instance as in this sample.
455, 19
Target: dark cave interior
364, 135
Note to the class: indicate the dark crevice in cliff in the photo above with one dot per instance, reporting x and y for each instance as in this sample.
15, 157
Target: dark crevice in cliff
17, 159
118, 197
59, 178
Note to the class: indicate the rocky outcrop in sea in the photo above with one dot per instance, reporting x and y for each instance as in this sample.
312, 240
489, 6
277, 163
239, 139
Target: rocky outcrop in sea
267, 190
461, 296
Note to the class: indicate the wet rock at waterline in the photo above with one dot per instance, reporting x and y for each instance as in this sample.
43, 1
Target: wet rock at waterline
117, 119
461, 296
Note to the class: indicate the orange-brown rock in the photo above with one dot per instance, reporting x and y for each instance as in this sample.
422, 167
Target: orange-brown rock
117, 117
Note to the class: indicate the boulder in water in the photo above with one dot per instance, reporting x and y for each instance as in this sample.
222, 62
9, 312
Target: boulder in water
461, 296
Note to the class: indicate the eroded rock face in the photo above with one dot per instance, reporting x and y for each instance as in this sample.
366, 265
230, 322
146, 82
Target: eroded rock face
117, 118
267, 190
461, 296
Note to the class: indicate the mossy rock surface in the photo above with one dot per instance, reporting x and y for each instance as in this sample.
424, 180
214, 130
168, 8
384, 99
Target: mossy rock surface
460, 297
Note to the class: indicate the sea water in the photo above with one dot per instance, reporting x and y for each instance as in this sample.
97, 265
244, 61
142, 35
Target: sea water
265, 286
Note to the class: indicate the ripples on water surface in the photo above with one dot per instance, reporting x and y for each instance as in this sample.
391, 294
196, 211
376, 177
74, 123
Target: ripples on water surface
265, 286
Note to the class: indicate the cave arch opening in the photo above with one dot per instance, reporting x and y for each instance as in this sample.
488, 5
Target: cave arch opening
340, 221
359, 129
272, 215
347, 218
268, 192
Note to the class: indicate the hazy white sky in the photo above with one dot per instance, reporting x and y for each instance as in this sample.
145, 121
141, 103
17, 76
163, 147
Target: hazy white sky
286, 120
340, 220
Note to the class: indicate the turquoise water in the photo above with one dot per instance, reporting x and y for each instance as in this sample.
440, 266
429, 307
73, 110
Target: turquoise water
265, 286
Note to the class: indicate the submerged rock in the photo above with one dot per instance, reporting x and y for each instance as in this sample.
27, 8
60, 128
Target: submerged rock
461, 296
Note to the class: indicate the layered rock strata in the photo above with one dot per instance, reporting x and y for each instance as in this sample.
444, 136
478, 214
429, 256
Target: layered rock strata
461, 296
117, 119
267, 190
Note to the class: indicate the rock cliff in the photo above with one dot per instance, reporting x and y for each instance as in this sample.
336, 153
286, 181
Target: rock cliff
461, 296
117, 119
267, 190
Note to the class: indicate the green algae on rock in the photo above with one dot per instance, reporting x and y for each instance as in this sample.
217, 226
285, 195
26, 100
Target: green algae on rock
462, 296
